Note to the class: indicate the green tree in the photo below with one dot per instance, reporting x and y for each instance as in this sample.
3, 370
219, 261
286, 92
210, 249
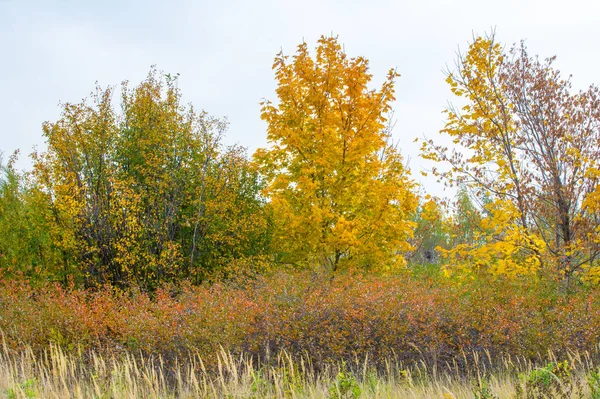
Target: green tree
148, 194
26, 247
431, 233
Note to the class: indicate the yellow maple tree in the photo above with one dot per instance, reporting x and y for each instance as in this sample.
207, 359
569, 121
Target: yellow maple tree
338, 188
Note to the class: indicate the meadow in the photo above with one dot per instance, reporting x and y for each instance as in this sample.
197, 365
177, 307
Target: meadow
56, 374
302, 334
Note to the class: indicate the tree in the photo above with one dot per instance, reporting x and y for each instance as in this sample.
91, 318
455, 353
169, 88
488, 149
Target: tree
338, 189
444, 227
26, 247
432, 231
149, 194
531, 145
466, 219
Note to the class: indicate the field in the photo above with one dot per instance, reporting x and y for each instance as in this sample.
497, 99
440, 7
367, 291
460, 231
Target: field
302, 334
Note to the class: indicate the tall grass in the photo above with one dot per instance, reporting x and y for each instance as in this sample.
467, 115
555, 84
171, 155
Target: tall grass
57, 374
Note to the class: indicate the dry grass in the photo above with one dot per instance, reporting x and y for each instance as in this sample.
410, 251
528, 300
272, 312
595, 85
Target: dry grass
56, 374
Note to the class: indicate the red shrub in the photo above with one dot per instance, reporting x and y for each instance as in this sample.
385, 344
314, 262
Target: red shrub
325, 318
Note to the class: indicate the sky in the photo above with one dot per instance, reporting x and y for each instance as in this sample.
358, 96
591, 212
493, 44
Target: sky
55, 51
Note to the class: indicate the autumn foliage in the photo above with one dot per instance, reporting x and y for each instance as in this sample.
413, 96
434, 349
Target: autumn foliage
148, 194
339, 191
527, 146
306, 314
139, 231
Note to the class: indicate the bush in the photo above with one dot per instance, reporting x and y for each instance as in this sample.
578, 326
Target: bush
329, 319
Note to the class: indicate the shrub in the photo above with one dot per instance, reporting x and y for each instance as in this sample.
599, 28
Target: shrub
332, 319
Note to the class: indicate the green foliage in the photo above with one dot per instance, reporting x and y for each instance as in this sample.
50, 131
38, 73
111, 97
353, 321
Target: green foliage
593, 380
553, 379
466, 219
148, 195
482, 391
431, 232
372, 383
26, 247
26, 389
345, 385
259, 383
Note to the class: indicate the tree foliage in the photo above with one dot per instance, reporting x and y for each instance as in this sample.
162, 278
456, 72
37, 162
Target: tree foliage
148, 194
532, 145
432, 231
26, 247
338, 189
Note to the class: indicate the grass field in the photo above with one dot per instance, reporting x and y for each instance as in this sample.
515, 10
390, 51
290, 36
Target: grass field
55, 374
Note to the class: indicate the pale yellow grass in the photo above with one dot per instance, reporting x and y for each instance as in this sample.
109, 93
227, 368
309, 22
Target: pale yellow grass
56, 374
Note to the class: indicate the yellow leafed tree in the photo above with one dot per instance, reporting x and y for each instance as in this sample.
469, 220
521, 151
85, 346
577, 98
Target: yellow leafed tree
529, 144
339, 191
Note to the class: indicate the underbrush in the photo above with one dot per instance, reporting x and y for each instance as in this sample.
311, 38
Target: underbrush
322, 319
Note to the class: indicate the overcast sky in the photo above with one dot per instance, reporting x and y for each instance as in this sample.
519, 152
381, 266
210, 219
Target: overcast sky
55, 51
